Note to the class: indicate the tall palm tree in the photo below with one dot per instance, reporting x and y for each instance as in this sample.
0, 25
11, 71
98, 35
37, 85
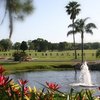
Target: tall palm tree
81, 27
16, 10
70, 32
73, 10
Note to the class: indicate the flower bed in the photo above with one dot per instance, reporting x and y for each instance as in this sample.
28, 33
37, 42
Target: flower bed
9, 90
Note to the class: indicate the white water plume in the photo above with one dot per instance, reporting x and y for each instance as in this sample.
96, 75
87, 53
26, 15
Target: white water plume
85, 77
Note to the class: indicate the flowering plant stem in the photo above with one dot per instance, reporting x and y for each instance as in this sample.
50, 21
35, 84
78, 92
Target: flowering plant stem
22, 92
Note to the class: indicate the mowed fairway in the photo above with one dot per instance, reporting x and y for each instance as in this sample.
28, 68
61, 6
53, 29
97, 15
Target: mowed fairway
45, 60
55, 55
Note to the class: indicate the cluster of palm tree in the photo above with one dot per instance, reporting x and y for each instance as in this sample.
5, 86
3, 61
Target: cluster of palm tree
78, 25
16, 10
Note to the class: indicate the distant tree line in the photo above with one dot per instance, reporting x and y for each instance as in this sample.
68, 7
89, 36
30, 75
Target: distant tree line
41, 45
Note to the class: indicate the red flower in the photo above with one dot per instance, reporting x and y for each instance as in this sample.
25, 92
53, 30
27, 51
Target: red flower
4, 80
1, 69
53, 86
26, 91
22, 82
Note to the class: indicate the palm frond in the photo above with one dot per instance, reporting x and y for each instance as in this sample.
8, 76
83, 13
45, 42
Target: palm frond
73, 9
83, 27
71, 32
91, 25
89, 31
71, 25
81, 22
85, 19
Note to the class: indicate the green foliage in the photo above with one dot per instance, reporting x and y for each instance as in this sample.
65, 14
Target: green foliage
16, 10
30, 45
23, 46
19, 56
73, 9
16, 46
40, 44
43, 45
98, 53
6, 44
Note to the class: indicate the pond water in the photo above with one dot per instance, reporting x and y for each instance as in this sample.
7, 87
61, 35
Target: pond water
63, 78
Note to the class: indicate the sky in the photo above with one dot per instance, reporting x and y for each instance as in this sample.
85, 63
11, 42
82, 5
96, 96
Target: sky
50, 21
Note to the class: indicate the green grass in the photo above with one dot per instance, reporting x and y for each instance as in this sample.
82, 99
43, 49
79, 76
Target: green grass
46, 60
55, 55
13, 67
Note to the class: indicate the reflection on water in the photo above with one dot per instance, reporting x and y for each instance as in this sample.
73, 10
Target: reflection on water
95, 75
64, 78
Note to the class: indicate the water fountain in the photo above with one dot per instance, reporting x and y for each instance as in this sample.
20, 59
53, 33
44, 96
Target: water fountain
84, 78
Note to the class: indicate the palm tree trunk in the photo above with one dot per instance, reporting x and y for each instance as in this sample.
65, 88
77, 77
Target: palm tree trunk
82, 48
10, 26
10, 18
74, 46
74, 41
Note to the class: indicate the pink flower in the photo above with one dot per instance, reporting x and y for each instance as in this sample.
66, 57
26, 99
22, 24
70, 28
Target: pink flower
3, 80
53, 86
22, 82
26, 89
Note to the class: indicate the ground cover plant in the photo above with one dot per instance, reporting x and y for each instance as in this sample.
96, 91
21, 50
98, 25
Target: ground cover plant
9, 90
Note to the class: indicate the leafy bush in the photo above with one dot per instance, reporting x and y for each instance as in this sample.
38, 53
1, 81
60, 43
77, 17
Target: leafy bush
19, 56
98, 53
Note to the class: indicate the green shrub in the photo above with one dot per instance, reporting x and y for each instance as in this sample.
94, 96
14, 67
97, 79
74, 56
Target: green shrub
98, 53
19, 56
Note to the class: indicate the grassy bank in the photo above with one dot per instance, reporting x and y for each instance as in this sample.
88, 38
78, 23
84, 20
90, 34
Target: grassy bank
13, 67
48, 60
